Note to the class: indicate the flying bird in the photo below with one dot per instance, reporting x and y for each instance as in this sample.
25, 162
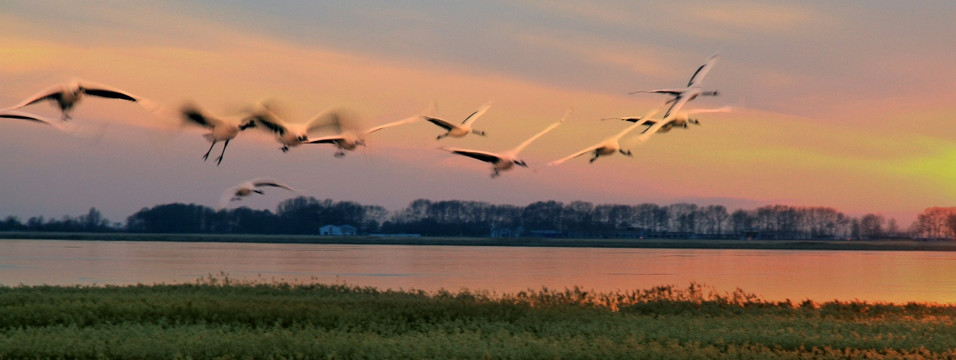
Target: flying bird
691, 92
247, 188
350, 138
220, 129
680, 119
459, 130
291, 134
68, 95
505, 160
609, 145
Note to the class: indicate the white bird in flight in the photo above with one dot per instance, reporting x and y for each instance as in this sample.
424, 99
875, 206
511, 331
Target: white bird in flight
505, 160
349, 138
459, 130
691, 92
291, 134
247, 188
609, 145
679, 119
220, 129
68, 95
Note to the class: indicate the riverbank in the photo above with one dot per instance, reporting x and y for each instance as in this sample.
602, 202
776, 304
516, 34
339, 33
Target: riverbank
875, 245
217, 318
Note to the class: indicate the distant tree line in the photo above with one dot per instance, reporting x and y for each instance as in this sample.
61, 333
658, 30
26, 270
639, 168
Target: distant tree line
93, 221
304, 215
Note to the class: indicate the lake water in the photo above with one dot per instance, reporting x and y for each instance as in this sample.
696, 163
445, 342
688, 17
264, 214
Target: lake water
875, 276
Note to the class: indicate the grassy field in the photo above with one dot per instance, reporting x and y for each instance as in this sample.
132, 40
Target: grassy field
887, 245
219, 319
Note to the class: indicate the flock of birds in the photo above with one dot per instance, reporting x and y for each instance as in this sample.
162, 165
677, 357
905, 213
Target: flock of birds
348, 137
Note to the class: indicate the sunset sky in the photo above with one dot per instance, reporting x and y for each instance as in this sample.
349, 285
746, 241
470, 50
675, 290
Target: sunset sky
842, 104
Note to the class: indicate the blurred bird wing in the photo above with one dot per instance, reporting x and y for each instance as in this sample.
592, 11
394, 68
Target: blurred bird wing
109, 92
104, 91
579, 153
676, 106
717, 110
328, 139
404, 121
55, 92
525, 144
442, 123
672, 92
19, 115
644, 121
270, 121
653, 130
623, 118
702, 71
226, 197
475, 154
260, 182
475, 115
192, 114
331, 117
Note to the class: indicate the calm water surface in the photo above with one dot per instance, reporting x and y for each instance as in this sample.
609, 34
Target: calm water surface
886, 276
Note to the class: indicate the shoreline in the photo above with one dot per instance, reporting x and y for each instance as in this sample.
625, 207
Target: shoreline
854, 245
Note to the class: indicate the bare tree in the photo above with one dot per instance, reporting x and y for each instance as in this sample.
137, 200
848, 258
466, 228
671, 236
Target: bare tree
871, 226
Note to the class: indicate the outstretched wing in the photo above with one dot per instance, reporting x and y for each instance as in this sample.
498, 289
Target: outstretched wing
407, 120
672, 92
268, 121
676, 106
702, 71
327, 139
53, 93
475, 115
474, 154
525, 144
647, 122
192, 114
261, 182
109, 92
653, 129
705, 111
338, 118
19, 115
572, 156
644, 120
442, 123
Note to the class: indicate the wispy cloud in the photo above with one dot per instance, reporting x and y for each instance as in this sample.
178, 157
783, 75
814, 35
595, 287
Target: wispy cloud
778, 18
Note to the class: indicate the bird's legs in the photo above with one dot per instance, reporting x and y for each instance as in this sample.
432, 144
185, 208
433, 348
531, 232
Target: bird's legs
626, 152
219, 159
206, 156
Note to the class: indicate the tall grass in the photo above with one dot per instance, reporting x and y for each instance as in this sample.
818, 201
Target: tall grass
222, 319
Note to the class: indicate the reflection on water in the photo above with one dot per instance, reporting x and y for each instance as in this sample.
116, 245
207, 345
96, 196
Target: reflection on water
772, 274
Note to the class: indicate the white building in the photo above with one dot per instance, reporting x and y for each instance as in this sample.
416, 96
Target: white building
337, 230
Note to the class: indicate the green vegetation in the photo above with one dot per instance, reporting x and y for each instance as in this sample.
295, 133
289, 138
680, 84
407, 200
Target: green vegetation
220, 319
